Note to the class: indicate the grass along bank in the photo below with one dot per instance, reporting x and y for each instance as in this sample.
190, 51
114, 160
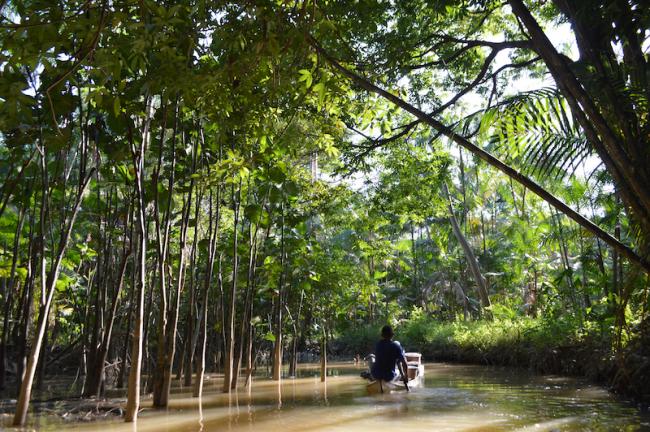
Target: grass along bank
558, 345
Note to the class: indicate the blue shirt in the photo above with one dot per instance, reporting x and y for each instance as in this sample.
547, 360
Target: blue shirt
387, 354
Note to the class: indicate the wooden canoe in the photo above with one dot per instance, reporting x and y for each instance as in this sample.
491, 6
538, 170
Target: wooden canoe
415, 377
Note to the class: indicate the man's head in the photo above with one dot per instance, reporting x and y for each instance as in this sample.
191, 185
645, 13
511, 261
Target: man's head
387, 332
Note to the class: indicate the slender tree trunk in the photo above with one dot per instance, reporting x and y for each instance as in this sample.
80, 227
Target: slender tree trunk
20, 338
585, 294
93, 379
277, 348
620, 298
190, 345
133, 393
219, 345
43, 359
415, 283
469, 255
616, 280
9, 294
242, 337
162, 220
245, 334
48, 287
96, 375
202, 328
564, 255
132, 309
171, 342
323, 356
163, 239
230, 329
250, 359
150, 324
293, 364
129, 311
171, 334
247, 310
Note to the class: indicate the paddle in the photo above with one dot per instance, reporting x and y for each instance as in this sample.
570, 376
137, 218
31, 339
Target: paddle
401, 366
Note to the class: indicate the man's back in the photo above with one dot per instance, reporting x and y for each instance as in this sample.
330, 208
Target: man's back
387, 353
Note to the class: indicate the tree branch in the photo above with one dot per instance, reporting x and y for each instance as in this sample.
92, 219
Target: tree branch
467, 45
487, 157
9, 185
76, 64
630, 179
375, 143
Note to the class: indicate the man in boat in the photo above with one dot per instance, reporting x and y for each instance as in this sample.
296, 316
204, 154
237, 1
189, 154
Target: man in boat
388, 355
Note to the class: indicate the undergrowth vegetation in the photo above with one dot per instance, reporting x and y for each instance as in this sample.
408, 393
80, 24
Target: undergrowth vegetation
547, 345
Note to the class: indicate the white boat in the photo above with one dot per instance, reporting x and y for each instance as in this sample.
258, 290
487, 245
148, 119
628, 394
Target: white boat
415, 377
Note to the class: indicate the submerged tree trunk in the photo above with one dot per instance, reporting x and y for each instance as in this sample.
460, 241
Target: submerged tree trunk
95, 377
323, 356
168, 359
20, 335
250, 358
245, 333
245, 320
230, 314
133, 394
277, 347
48, 289
202, 328
190, 344
163, 228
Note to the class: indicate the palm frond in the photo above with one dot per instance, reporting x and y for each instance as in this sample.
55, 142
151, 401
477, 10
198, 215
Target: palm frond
534, 131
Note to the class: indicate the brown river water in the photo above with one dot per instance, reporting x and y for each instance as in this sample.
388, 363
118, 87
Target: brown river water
453, 398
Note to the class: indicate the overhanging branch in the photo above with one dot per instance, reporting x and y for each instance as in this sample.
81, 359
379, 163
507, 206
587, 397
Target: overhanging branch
487, 157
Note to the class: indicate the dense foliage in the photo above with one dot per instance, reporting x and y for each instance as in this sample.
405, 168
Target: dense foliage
193, 185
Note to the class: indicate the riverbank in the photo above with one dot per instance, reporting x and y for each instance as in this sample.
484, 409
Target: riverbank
544, 346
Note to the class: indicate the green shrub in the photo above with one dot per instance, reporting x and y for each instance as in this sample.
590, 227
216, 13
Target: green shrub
357, 340
507, 339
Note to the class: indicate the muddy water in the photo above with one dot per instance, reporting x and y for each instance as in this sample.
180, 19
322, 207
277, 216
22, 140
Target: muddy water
454, 398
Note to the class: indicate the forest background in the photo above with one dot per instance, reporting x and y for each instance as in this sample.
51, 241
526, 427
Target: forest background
202, 185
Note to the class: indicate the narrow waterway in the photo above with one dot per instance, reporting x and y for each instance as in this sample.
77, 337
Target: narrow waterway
454, 398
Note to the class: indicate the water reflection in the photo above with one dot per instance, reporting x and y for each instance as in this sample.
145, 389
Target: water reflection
200, 403
454, 398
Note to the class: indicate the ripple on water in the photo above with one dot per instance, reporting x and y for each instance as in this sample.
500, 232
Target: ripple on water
454, 398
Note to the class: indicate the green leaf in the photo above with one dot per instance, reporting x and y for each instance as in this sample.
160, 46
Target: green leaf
290, 188
253, 212
277, 175
380, 275
306, 76
116, 106
320, 90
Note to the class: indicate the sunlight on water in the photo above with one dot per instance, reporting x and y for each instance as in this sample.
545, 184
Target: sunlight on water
454, 398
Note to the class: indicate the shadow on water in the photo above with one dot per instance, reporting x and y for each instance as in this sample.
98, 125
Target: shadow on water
454, 398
